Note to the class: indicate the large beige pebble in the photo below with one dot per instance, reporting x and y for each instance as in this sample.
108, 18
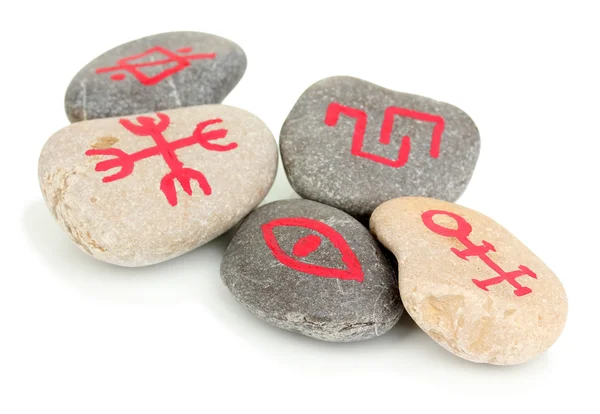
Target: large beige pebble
139, 190
469, 283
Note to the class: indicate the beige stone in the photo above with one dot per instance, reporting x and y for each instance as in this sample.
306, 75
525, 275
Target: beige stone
131, 221
504, 325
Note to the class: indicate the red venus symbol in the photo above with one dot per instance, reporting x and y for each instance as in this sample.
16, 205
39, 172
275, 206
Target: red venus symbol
166, 58
309, 244
335, 109
149, 127
461, 233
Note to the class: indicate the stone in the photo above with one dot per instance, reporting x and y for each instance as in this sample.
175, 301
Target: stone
351, 144
470, 284
155, 73
139, 190
310, 268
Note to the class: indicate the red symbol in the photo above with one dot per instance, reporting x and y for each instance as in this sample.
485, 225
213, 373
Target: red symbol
149, 127
461, 233
309, 244
166, 58
333, 114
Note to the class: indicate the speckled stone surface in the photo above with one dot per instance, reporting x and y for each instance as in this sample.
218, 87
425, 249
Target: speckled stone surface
469, 283
335, 149
310, 268
139, 190
177, 69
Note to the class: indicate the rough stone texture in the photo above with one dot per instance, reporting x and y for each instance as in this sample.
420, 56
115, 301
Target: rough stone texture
326, 308
130, 221
320, 165
438, 291
93, 95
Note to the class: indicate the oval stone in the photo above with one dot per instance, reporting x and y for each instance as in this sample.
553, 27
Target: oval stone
469, 283
155, 73
139, 190
351, 144
310, 268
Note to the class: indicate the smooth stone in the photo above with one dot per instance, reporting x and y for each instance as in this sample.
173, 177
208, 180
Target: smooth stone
448, 258
180, 188
310, 268
196, 69
341, 145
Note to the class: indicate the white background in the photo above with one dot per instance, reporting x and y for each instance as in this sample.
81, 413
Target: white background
80, 336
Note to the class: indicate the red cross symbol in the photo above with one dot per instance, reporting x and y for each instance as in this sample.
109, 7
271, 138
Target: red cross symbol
149, 127
165, 58
461, 233
335, 109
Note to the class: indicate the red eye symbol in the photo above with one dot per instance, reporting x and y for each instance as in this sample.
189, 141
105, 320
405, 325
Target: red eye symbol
309, 244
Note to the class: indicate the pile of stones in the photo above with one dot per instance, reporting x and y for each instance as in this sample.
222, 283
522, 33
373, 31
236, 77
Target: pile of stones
153, 166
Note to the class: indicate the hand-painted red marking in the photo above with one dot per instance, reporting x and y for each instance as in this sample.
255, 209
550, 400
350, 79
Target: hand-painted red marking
353, 269
461, 233
335, 109
181, 62
306, 245
149, 127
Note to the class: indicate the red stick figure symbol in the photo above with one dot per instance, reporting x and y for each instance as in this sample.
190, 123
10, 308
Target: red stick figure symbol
166, 58
335, 109
148, 127
461, 233
309, 244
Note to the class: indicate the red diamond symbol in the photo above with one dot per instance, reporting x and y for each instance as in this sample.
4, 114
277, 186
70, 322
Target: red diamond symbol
158, 56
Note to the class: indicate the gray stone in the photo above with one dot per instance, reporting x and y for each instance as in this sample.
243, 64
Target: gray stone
310, 268
335, 148
196, 69
140, 190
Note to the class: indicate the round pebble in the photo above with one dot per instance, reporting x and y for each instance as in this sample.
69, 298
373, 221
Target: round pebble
139, 190
155, 73
351, 144
469, 283
310, 268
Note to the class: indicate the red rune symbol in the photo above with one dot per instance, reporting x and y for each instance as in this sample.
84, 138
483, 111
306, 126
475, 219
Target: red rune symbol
333, 114
309, 244
461, 233
149, 127
166, 57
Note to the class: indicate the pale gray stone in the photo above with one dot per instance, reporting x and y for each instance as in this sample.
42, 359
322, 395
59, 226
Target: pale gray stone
157, 209
319, 160
200, 80
325, 306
